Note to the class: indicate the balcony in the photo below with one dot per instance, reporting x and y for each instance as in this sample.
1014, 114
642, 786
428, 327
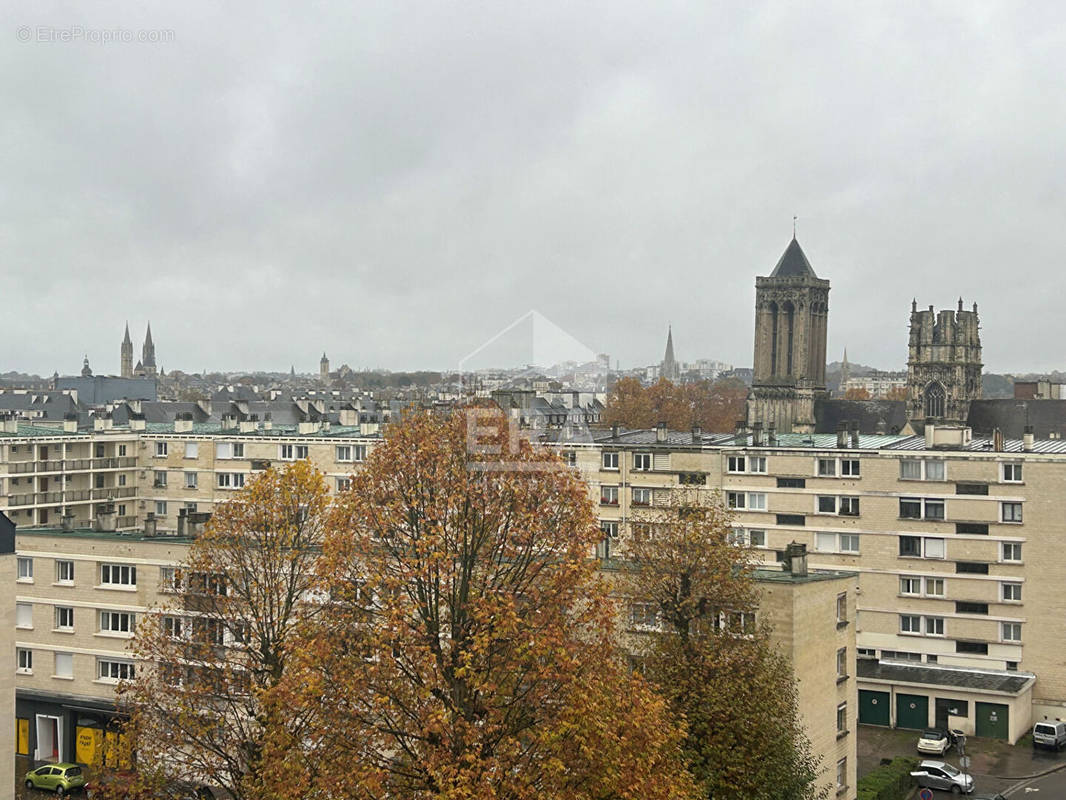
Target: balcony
50, 466
126, 522
72, 464
74, 495
21, 466
113, 463
49, 497
21, 499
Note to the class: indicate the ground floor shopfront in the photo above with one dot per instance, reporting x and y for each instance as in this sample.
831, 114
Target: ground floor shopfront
995, 705
56, 728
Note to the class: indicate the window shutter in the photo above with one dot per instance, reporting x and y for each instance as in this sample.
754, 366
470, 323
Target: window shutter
661, 461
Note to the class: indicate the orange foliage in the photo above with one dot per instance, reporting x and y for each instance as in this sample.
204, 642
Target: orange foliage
858, 393
715, 407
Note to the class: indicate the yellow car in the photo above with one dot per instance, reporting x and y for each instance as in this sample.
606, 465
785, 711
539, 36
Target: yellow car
58, 778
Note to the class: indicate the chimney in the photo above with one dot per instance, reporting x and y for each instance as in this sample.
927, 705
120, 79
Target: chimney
997, 440
182, 514
740, 434
1028, 439
771, 434
930, 434
105, 518
66, 522
756, 434
9, 425
796, 559
195, 523
102, 423
248, 426
697, 434
149, 525
306, 428
614, 431
137, 423
183, 423
854, 433
70, 423
229, 422
660, 432
842, 435
348, 417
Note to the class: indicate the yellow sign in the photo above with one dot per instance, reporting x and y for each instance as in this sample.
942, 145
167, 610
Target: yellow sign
88, 748
23, 733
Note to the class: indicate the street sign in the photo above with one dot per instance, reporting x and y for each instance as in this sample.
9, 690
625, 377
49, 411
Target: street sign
925, 794
964, 762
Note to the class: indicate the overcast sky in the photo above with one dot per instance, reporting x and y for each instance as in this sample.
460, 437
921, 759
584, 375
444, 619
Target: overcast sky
394, 183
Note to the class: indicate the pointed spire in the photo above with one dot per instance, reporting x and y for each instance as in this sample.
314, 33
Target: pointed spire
126, 339
148, 336
669, 357
793, 263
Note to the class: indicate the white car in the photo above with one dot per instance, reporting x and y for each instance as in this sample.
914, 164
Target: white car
935, 741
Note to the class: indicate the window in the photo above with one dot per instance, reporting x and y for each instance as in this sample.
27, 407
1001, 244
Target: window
116, 622
160, 508
741, 537
292, 452
736, 499
934, 587
827, 467
25, 569
791, 519
641, 496
971, 567
1011, 631
190, 480
980, 528
971, 488
238, 449
160, 449
23, 661
737, 464
968, 607
608, 495
1011, 512
692, 478
849, 543
64, 618
910, 623
122, 449
842, 774
842, 719
230, 480
643, 616
192, 449
159, 479
1012, 551
344, 484
900, 655
974, 648
914, 469
827, 504
610, 460
849, 506
642, 462
934, 509
910, 469
609, 528
842, 662
842, 607
1011, 592
121, 479
756, 501
917, 625
934, 626
836, 543
791, 483
757, 464
850, 467
1011, 473
113, 671
23, 615
64, 571
934, 470
64, 665
344, 452
910, 508
118, 575
909, 585
170, 579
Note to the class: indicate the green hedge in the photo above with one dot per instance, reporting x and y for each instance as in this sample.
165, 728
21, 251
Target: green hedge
889, 782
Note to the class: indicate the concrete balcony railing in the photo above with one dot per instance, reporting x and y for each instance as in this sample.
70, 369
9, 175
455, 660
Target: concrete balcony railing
74, 495
72, 464
21, 499
126, 522
49, 466
49, 497
17, 467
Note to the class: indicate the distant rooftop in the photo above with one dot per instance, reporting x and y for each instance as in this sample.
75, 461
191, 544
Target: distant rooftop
90, 533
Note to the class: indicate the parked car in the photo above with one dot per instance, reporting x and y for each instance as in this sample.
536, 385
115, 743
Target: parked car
1049, 734
938, 775
935, 741
58, 778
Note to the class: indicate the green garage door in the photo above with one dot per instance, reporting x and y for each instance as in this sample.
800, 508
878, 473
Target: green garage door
912, 711
993, 720
874, 708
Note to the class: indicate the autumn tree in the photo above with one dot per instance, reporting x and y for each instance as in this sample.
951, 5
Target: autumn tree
857, 393
713, 406
705, 653
201, 704
469, 650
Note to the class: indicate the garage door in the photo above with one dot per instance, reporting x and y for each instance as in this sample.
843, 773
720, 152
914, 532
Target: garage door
912, 711
993, 720
874, 708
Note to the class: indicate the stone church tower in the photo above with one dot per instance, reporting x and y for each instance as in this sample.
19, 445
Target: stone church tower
669, 368
943, 364
791, 322
148, 355
126, 360
323, 369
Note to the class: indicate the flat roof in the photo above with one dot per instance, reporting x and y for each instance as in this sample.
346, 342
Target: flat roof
763, 575
1013, 683
89, 533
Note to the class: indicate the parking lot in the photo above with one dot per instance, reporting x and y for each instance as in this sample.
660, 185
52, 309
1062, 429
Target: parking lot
1013, 771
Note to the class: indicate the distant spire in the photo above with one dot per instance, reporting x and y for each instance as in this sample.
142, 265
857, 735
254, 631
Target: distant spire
794, 218
960, 303
669, 368
126, 339
148, 335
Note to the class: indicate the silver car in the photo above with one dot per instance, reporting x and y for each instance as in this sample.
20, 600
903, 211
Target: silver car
938, 775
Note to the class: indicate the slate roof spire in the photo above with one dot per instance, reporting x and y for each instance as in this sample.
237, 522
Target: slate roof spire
126, 339
793, 263
669, 368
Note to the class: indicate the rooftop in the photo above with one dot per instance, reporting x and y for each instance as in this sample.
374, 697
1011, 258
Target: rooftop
812, 576
89, 533
954, 677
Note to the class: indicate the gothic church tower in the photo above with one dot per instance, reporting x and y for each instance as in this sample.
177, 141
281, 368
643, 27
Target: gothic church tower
943, 364
148, 354
791, 323
126, 360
